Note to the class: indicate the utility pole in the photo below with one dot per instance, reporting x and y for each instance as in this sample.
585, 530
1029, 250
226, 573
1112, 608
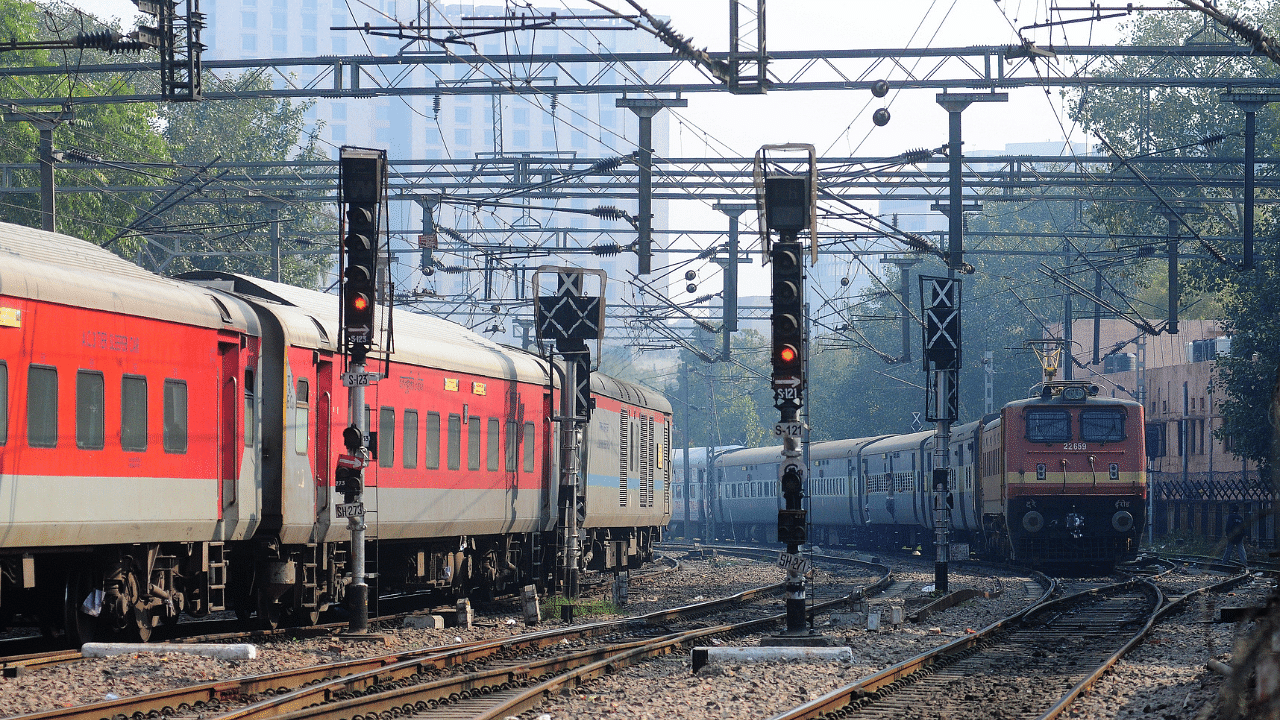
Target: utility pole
1068, 318
684, 393
45, 122
1250, 103
1175, 217
730, 294
273, 207
645, 109
942, 346
904, 264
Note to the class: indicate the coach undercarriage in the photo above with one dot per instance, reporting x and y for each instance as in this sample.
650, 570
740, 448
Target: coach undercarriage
126, 592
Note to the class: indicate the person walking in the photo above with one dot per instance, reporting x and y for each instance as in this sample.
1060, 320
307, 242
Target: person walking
1235, 534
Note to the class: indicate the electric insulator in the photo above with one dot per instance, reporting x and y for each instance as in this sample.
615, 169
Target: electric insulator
691, 288
880, 88
844, 282
880, 117
689, 274
495, 309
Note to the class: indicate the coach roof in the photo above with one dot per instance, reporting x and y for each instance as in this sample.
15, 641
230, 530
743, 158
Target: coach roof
56, 268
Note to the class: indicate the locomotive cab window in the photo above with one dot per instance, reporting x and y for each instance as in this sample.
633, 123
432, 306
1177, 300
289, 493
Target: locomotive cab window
1048, 426
133, 413
90, 412
175, 416
1102, 426
42, 406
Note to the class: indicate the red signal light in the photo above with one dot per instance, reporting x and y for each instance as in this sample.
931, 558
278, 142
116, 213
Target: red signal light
360, 303
787, 353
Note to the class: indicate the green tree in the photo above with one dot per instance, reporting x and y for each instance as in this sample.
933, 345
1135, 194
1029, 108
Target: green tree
121, 130
235, 214
1176, 122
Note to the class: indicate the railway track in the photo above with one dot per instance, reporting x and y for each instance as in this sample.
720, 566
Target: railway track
200, 632
1033, 663
501, 674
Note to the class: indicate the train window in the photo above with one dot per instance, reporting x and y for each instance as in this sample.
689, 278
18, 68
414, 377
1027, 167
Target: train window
513, 445
89, 410
432, 441
473, 443
133, 413
42, 406
301, 416
493, 445
386, 437
1102, 426
4, 402
410, 451
455, 441
1048, 426
249, 405
529, 430
175, 416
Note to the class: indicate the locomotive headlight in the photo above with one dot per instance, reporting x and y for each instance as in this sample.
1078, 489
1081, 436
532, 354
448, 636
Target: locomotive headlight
1122, 521
1033, 522
1075, 525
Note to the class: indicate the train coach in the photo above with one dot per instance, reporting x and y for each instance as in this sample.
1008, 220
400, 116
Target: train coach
1057, 478
174, 440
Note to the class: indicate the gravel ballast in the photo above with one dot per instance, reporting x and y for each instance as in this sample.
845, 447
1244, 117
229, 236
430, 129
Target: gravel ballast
1166, 677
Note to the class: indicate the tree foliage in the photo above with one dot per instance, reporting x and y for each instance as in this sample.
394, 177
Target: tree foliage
113, 131
236, 210
1174, 123
221, 216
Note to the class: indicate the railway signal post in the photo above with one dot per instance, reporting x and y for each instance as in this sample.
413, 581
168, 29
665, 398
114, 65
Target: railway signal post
362, 185
940, 301
571, 318
787, 202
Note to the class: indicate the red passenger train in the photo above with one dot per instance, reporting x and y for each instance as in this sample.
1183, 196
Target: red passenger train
167, 446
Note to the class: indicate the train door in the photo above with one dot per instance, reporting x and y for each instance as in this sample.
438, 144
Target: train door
323, 471
228, 438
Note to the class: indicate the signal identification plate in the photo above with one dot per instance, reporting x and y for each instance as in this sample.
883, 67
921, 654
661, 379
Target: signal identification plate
348, 510
795, 563
355, 379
